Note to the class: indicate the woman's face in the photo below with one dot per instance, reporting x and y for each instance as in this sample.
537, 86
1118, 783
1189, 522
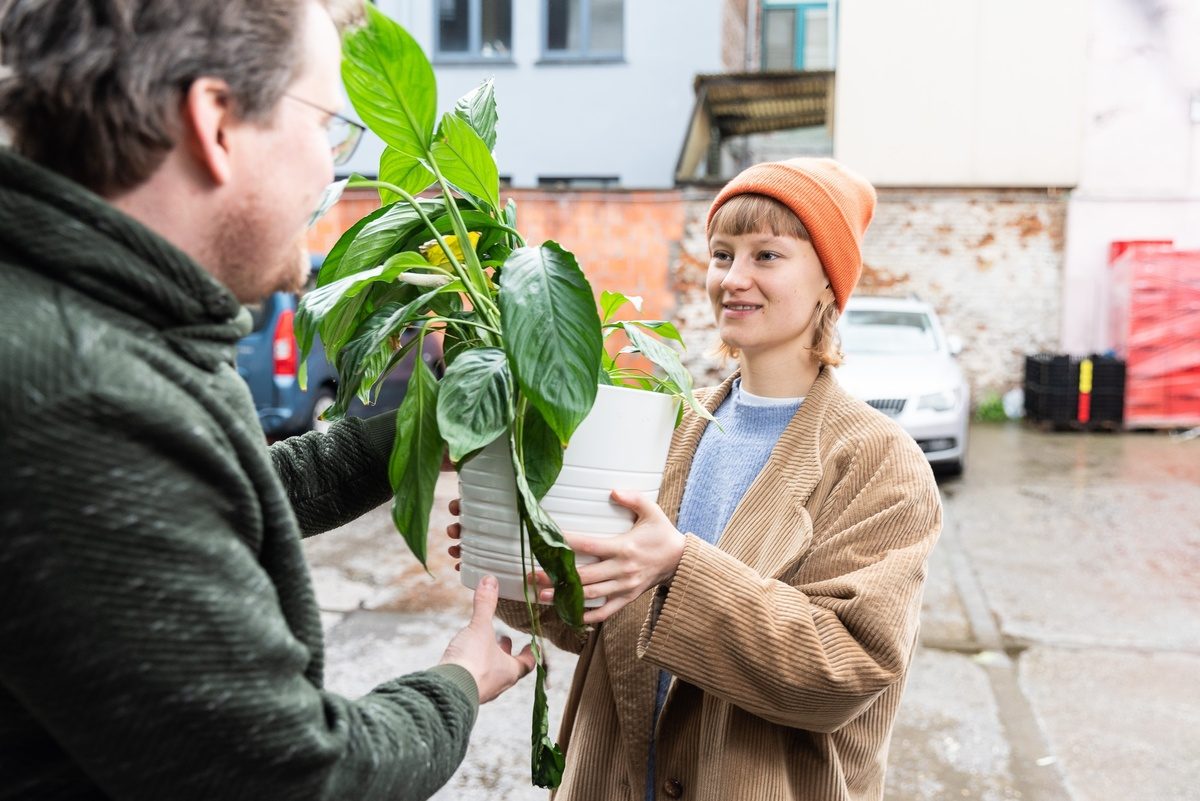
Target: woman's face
764, 291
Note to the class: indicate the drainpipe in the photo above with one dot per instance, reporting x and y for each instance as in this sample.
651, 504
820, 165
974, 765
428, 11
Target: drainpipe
833, 28
751, 34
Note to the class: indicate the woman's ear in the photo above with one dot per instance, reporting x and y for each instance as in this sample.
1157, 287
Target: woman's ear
827, 296
206, 114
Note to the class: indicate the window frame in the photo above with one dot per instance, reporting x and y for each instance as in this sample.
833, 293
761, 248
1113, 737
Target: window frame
586, 53
474, 52
799, 32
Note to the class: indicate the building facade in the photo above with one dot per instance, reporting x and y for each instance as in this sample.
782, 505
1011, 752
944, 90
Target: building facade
591, 93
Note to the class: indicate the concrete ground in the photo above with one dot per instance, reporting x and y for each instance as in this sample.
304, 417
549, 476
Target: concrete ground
1060, 650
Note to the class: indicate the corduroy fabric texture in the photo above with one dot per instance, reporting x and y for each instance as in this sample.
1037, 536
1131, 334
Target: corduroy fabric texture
834, 203
159, 636
790, 639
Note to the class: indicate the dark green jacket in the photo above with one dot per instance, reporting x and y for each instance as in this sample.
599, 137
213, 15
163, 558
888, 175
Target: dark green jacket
159, 638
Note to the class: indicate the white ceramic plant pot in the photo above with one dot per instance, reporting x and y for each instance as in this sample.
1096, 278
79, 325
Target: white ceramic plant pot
621, 444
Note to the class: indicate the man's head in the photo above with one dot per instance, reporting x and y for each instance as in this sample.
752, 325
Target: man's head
199, 119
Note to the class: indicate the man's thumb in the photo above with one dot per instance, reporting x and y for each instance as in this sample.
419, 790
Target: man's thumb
486, 594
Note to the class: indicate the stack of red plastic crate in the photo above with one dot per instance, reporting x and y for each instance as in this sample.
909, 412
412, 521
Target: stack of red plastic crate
1155, 328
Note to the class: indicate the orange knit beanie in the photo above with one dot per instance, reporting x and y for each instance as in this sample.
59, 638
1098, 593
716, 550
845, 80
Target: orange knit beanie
834, 203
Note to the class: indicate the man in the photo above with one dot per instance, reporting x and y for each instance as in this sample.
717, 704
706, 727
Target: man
159, 637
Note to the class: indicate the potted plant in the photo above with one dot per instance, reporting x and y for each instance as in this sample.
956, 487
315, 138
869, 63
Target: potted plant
524, 341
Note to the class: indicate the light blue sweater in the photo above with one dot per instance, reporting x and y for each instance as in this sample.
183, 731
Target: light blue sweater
727, 461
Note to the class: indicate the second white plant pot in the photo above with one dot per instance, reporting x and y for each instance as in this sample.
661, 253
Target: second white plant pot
621, 444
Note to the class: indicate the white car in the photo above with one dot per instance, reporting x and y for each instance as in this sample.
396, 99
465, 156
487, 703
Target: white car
900, 361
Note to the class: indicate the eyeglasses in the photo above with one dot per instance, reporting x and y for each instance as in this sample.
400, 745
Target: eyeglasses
344, 134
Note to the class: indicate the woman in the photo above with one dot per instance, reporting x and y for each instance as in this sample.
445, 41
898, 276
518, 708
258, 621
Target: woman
759, 620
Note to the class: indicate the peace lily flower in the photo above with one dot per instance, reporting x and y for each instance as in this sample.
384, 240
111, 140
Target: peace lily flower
433, 252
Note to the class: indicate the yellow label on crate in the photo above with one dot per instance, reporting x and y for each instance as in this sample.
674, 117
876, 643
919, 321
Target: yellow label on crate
1085, 376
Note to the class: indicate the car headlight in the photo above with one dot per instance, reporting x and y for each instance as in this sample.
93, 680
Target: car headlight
940, 401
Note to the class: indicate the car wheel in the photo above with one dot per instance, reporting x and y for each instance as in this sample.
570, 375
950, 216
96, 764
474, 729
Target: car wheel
321, 402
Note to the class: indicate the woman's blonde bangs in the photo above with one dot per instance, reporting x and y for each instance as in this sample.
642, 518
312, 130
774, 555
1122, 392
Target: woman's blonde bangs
755, 214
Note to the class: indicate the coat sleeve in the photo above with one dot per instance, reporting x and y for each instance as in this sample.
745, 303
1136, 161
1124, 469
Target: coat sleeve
814, 651
143, 634
338, 476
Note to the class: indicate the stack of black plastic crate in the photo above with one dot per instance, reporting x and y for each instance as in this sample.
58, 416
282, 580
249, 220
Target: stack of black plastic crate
1053, 397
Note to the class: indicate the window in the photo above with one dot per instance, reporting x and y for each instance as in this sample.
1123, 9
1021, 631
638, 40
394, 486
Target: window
578, 181
584, 29
473, 29
797, 36
887, 332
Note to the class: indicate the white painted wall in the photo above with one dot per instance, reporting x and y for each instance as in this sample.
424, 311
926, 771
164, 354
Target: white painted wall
1140, 151
961, 92
625, 119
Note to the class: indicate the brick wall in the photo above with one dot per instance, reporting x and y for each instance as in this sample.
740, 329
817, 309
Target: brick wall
990, 261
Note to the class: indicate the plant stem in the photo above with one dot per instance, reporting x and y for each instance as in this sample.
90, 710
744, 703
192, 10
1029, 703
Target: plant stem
460, 230
474, 323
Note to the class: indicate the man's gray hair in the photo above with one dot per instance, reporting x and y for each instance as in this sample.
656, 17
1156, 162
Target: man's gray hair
93, 88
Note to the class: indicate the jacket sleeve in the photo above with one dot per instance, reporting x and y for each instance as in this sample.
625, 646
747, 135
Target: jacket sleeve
338, 476
814, 651
142, 633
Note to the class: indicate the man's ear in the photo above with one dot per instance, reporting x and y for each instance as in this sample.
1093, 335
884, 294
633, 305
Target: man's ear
207, 117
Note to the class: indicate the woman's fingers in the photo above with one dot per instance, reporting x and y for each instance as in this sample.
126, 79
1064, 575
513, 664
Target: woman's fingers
613, 605
455, 507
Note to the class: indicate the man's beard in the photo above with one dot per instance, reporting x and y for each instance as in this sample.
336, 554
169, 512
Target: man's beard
249, 263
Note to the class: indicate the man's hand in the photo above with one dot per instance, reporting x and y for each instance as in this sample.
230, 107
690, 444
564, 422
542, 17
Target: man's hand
488, 658
629, 564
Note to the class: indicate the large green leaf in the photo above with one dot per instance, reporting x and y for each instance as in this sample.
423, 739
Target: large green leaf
663, 328
667, 358
365, 355
541, 452
550, 549
474, 403
547, 759
391, 84
662, 355
478, 109
331, 266
416, 459
465, 161
551, 333
474, 220
333, 309
611, 301
405, 171
382, 236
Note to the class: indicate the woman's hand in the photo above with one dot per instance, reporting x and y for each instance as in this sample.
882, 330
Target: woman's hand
629, 563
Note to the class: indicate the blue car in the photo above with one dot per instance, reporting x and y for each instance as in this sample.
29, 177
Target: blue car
267, 360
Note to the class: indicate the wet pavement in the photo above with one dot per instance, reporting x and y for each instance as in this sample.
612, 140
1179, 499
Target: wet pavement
1060, 647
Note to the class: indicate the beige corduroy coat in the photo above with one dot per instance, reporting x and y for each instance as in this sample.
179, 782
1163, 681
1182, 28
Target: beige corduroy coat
789, 640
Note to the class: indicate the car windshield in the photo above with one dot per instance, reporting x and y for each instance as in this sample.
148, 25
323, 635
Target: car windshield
865, 331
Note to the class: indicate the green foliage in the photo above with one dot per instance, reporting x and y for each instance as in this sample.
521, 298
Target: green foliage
991, 409
524, 341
